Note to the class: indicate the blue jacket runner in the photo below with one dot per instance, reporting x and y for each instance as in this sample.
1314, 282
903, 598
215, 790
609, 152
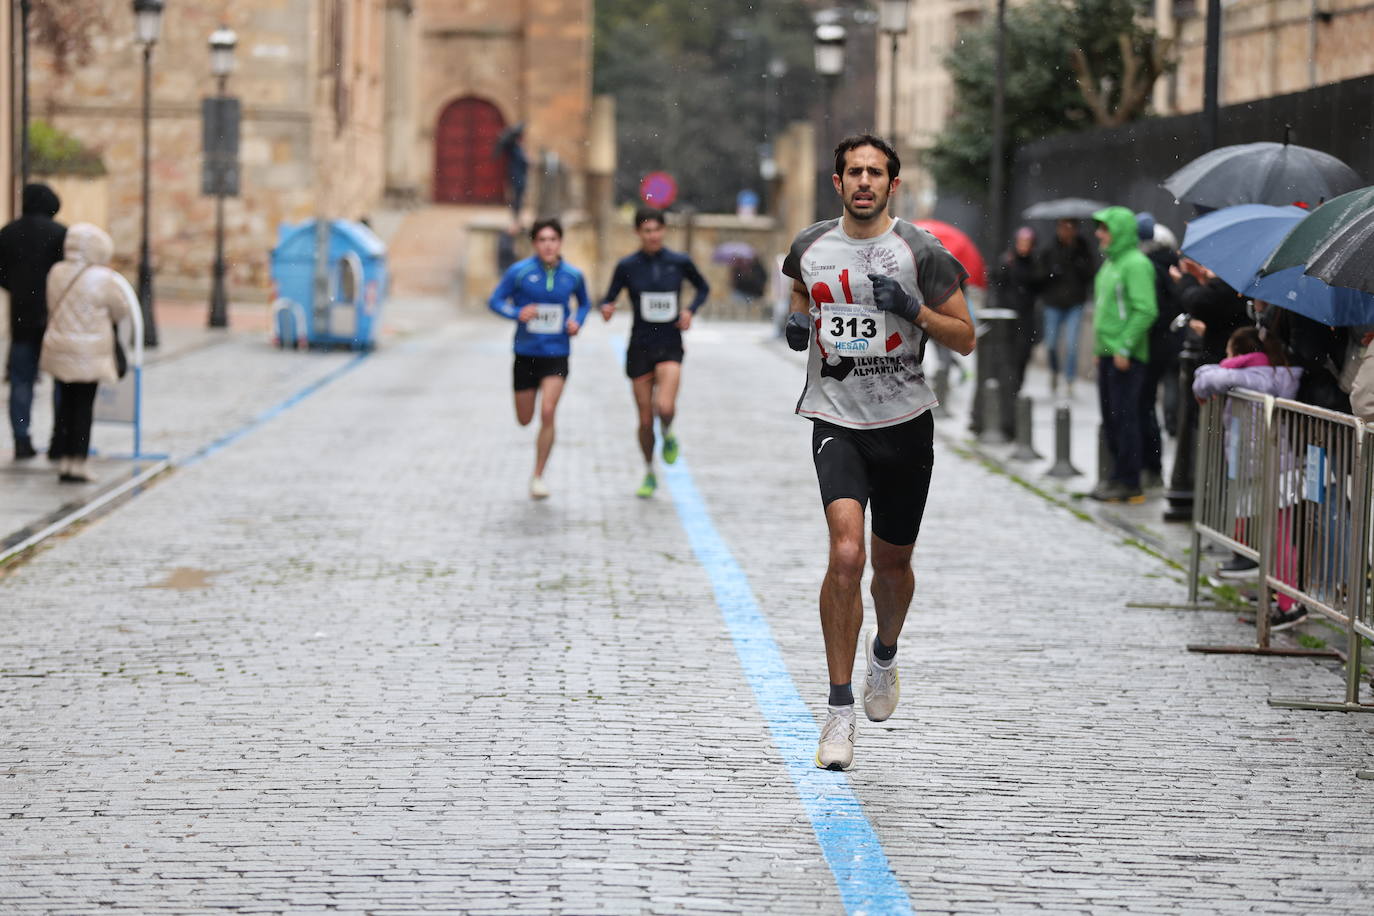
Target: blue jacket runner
529, 282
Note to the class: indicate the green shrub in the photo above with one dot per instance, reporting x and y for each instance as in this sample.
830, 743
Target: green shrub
53, 151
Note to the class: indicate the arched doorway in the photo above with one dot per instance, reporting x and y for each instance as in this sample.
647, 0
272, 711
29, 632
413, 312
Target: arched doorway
467, 167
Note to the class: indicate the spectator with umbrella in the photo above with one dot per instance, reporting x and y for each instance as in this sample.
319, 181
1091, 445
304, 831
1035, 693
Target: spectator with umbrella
1017, 280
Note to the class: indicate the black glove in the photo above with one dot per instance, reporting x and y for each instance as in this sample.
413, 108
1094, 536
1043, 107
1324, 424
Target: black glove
889, 296
798, 330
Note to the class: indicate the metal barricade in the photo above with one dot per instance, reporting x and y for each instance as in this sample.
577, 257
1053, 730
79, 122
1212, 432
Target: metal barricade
1290, 486
1322, 519
1236, 500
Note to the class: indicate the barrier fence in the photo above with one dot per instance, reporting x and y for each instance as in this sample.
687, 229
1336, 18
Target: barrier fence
1289, 487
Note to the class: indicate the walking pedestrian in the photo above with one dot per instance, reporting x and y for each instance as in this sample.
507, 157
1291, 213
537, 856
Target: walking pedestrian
29, 247
868, 291
1124, 309
653, 360
1067, 267
536, 294
87, 300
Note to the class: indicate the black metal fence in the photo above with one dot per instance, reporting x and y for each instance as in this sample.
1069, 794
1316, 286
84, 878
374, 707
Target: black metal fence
1125, 165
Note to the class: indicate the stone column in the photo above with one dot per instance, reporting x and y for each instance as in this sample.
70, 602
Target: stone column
601, 166
400, 75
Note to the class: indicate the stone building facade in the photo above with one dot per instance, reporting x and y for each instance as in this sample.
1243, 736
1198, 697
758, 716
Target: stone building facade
1269, 47
342, 104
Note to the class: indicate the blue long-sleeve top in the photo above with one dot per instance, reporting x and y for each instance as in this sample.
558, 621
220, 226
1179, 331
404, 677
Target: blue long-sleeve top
529, 282
662, 272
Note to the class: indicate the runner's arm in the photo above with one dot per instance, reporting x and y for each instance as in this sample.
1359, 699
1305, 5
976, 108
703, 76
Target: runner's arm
584, 302
618, 283
500, 301
947, 323
694, 277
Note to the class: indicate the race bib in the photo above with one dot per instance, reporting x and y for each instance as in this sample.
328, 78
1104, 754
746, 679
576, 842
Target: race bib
658, 307
853, 330
548, 319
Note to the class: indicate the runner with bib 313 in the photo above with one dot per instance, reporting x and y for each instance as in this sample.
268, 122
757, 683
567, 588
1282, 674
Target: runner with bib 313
653, 360
536, 293
868, 291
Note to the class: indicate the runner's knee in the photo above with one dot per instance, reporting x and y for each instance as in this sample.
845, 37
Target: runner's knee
847, 558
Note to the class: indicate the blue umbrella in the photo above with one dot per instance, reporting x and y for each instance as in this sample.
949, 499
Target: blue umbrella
1234, 244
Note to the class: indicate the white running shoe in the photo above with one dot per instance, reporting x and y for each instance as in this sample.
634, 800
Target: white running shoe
881, 684
836, 748
538, 489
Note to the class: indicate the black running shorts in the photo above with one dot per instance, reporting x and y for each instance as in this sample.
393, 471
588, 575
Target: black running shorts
640, 360
889, 467
530, 369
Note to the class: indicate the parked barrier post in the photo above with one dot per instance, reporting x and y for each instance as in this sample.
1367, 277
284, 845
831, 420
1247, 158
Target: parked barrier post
1025, 446
1063, 430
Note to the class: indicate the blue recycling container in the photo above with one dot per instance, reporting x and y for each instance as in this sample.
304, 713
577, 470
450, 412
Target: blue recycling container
358, 286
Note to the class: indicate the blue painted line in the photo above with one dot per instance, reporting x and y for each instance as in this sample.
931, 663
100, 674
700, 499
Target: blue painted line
272, 412
851, 847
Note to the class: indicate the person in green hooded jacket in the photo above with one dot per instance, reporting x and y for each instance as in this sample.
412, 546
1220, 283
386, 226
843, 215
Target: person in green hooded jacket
1123, 312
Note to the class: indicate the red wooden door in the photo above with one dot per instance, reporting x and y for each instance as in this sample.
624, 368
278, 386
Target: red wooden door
468, 169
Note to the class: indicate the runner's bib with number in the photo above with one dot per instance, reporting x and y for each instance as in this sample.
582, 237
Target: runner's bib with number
853, 330
658, 308
548, 319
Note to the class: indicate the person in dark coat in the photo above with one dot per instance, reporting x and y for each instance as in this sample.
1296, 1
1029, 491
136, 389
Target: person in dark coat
1215, 308
29, 247
1068, 266
1018, 281
1165, 344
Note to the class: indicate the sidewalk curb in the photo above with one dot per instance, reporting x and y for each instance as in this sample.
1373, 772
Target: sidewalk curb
67, 517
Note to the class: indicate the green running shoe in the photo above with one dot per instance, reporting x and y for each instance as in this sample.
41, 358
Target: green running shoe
669, 448
647, 488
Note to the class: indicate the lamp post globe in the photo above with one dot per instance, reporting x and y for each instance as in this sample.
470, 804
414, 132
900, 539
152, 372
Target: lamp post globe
222, 44
147, 21
829, 49
147, 28
892, 16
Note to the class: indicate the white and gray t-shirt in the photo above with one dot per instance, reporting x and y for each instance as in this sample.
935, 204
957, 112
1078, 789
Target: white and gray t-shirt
864, 367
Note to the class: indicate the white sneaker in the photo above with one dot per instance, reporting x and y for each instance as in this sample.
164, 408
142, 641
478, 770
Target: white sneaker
882, 687
538, 489
836, 748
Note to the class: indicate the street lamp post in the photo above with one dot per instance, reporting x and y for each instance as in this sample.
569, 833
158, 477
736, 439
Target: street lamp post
892, 21
222, 43
147, 26
829, 57
25, 7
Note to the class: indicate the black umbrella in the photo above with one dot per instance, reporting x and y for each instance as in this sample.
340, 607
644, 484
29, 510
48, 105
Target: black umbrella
1063, 208
1261, 173
1347, 258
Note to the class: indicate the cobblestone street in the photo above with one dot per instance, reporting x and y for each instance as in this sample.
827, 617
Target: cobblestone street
344, 664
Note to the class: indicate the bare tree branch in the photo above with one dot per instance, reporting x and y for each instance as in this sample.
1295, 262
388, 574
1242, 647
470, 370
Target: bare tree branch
67, 28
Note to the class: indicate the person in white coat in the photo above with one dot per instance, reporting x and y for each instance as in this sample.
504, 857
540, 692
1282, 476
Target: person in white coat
86, 299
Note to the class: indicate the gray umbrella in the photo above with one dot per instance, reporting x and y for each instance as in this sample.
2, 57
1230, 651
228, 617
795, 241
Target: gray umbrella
1261, 173
1347, 257
1063, 208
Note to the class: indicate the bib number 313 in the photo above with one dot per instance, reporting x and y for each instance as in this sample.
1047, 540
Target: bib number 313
849, 328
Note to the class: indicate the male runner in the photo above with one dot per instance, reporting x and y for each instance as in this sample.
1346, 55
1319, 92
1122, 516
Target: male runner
535, 293
653, 360
873, 289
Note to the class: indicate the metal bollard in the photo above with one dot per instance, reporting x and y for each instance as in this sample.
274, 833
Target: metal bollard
1025, 447
1106, 465
992, 432
940, 385
1063, 467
